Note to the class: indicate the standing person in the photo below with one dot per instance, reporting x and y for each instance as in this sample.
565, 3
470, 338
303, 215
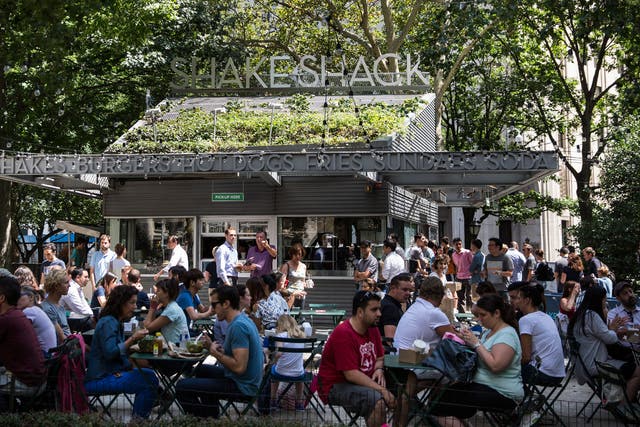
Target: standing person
294, 273
604, 280
529, 263
477, 263
498, 267
462, 258
561, 262
592, 264
50, 260
352, 365
448, 250
108, 367
518, 261
543, 273
240, 360
227, 259
399, 249
260, 257
42, 325
392, 304
497, 383
56, 285
19, 348
211, 271
179, 257
100, 261
120, 261
574, 269
393, 263
418, 262
78, 254
367, 266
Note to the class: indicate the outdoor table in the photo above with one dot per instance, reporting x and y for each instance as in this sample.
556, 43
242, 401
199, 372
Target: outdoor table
398, 372
336, 315
169, 370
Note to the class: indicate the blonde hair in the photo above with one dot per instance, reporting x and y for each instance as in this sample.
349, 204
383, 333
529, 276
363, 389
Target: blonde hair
55, 280
289, 325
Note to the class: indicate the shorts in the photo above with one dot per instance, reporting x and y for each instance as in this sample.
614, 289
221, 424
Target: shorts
354, 398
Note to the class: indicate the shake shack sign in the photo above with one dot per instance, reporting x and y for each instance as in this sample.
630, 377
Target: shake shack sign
283, 72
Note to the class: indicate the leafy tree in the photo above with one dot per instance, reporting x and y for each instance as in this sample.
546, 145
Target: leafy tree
554, 40
38, 209
74, 73
615, 229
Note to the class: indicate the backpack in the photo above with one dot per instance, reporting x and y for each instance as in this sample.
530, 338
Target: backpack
544, 272
454, 360
73, 397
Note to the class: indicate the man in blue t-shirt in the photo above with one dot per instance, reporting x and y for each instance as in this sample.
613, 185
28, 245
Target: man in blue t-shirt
241, 359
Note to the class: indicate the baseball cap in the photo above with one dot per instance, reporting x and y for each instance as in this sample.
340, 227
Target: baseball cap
563, 250
620, 286
365, 244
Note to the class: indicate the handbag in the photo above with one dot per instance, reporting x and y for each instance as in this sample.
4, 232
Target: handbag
454, 360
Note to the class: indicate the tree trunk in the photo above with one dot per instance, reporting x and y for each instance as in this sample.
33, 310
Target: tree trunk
6, 253
585, 207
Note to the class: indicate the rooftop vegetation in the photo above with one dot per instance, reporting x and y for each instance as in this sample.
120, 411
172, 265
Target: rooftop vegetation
240, 128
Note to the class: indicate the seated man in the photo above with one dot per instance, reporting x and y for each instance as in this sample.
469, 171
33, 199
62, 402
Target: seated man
352, 366
20, 354
241, 358
627, 313
426, 322
392, 304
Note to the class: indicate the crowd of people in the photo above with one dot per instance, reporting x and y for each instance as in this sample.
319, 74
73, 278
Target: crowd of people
404, 297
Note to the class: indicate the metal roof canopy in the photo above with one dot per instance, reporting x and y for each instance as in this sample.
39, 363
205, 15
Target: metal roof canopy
457, 178
77, 228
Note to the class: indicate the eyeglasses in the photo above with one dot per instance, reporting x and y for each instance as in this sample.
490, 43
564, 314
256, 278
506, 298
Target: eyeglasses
214, 303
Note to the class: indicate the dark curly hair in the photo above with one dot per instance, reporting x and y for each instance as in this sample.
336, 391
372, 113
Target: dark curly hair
118, 297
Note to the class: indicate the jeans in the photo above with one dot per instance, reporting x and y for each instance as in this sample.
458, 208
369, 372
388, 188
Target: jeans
199, 396
144, 384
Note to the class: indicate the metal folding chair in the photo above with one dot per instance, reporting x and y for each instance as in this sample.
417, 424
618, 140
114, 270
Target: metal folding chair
594, 383
625, 411
302, 346
252, 403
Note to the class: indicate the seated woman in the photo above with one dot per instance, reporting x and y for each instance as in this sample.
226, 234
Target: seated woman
539, 338
273, 306
568, 300
104, 288
590, 330
108, 368
188, 300
172, 321
497, 383
56, 284
45, 331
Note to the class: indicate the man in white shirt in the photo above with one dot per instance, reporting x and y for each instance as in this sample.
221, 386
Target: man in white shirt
628, 308
178, 257
81, 316
227, 259
423, 320
101, 260
393, 263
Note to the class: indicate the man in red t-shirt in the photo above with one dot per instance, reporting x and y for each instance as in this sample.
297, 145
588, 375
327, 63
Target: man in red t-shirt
20, 352
352, 365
